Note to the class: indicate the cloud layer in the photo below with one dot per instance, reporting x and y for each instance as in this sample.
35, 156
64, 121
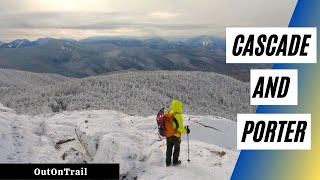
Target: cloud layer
82, 18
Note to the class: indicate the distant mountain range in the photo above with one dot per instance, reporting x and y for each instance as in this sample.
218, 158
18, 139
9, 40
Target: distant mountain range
100, 55
19, 43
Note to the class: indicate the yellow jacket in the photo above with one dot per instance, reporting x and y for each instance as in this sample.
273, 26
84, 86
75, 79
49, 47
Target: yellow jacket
176, 108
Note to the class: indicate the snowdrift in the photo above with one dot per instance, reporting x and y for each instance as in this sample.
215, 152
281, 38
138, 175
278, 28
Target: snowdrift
103, 136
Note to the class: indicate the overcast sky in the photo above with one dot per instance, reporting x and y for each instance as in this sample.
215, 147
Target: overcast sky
78, 19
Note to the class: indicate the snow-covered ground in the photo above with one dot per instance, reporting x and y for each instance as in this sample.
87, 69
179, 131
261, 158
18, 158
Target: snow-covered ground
102, 136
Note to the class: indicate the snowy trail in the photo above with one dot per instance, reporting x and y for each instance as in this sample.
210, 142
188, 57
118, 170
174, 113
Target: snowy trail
18, 140
102, 136
13, 139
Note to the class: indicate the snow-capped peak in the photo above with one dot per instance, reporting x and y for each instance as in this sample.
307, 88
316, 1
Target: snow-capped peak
19, 43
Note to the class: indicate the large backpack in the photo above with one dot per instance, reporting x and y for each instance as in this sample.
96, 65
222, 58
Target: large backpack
165, 124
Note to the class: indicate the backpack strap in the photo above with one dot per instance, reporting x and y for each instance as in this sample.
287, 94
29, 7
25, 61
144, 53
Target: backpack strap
176, 122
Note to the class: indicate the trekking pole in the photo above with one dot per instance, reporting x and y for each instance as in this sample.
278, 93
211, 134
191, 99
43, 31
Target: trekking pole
188, 143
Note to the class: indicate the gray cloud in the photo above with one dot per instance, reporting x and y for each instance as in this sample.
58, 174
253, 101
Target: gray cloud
32, 19
86, 21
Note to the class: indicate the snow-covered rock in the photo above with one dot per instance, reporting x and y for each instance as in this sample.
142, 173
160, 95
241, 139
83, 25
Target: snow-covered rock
5, 109
103, 136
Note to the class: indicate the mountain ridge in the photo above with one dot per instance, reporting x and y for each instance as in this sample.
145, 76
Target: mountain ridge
99, 56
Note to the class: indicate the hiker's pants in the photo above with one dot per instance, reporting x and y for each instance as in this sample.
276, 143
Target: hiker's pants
173, 141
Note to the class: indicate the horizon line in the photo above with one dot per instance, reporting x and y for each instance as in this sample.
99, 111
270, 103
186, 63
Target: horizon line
119, 37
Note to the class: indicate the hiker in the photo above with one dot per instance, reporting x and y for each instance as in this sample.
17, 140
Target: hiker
174, 139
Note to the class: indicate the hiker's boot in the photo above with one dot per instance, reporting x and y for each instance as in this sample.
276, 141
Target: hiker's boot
168, 163
176, 163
